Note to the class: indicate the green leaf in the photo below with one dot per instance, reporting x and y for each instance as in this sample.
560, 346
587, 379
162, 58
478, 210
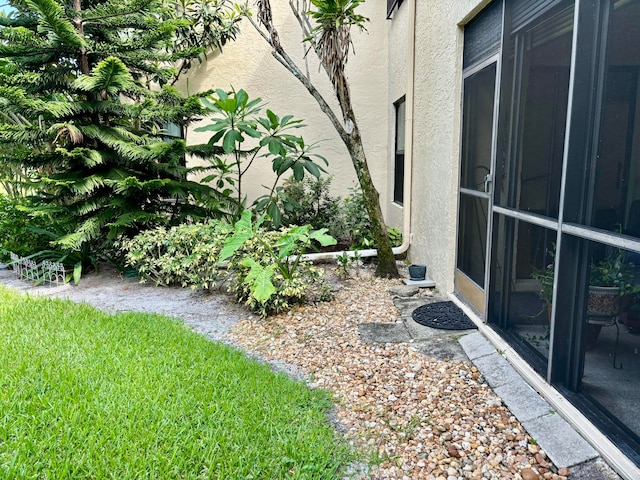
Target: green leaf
77, 273
261, 203
277, 164
241, 97
216, 138
110, 76
293, 242
273, 118
260, 279
298, 172
312, 168
54, 19
275, 146
275, 214
243, 232
322, 238
230, 139
249, 130
262, 286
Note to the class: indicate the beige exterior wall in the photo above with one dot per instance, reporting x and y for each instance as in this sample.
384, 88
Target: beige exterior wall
247, 63
398, 34
379, 77
436, 130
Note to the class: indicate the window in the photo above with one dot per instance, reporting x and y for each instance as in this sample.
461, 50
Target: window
172, 130
398, 170
564, 212
391, 5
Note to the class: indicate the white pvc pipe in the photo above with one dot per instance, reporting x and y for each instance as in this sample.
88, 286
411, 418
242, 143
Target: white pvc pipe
408, 157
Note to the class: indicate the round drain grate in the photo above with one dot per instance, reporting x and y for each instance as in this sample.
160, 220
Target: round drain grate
442, 315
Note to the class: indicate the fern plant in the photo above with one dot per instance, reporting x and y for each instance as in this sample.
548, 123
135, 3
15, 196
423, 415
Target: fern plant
90, 82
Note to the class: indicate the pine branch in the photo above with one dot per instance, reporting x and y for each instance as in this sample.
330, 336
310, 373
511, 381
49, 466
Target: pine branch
281, 56
54, 19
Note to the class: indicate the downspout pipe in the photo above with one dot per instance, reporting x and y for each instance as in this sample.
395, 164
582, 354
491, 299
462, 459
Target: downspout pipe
408, 157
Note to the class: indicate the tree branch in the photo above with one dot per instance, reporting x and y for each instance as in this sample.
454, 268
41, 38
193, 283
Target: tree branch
281, 56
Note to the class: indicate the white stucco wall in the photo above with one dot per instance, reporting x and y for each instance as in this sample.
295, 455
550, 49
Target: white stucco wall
247, 63
438, 79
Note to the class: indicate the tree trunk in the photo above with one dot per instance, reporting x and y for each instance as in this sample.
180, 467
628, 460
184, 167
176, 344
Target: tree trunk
387, 267
83, 61
349, 133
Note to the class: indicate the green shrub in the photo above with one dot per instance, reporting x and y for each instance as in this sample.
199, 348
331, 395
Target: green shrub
266, 270
263, 269
309, 203
185, 255
304, 284
31, 232
17, 232
355, 223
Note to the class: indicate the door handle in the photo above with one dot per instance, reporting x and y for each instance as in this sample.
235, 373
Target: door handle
488, 178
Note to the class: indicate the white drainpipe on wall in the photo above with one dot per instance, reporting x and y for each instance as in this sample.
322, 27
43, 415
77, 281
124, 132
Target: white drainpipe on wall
408, 158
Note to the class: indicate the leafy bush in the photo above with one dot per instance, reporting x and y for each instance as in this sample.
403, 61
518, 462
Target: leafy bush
308, 202
185, 255
285, 291
15, 232
30, 232
264, 267
355, 223
266, 270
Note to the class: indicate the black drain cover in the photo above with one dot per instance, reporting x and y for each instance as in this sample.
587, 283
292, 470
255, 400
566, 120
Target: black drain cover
442, 315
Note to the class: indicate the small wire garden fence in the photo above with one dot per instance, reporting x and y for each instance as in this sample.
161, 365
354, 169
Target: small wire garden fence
39, 273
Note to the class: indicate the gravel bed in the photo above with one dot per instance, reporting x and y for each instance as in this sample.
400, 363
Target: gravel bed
420, 417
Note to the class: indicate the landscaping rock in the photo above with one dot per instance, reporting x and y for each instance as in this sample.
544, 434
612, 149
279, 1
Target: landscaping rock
403, 291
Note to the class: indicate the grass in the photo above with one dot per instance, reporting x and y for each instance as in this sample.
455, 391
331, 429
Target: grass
85, 394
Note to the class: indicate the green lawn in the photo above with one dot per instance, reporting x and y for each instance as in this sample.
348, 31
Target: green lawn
85, 394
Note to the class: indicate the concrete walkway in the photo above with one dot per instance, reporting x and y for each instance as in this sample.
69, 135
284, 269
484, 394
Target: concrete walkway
562, 444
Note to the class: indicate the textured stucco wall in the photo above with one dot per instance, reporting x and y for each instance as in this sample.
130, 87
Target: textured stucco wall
247, 63
397, 33
378, 75
438, 79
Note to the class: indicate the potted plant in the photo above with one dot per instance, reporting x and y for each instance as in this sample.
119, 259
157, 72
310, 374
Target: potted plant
417, 272
609, 280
